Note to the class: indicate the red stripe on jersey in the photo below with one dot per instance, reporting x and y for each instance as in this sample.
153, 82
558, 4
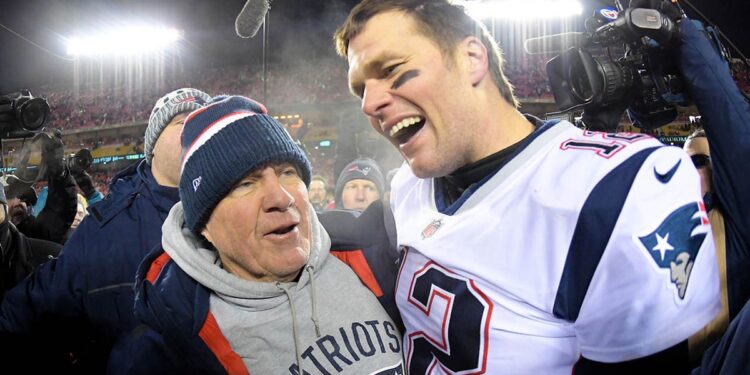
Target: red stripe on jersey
218, 344
356, 260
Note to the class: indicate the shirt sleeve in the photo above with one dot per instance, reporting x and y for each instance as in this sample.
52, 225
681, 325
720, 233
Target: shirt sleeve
657, 281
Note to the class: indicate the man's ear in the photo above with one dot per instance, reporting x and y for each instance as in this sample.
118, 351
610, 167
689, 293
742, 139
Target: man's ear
477, 60
207, 235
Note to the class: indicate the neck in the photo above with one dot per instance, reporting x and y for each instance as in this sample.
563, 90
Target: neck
500, 125
162, 178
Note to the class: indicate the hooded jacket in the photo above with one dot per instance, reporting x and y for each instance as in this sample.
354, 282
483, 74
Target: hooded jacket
210, 321
92, 279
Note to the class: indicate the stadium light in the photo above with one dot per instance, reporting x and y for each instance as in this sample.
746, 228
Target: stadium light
124, 41
522, 9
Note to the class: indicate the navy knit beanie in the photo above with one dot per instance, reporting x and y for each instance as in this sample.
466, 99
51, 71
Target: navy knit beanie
359, 169
221, 143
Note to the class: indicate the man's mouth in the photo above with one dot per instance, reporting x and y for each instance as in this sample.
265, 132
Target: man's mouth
283, 230
406, 128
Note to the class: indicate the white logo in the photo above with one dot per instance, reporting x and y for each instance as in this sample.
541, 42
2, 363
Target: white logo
196, 183
365, 171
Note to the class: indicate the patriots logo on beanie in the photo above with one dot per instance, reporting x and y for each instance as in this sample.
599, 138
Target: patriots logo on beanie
222, 142
362, 168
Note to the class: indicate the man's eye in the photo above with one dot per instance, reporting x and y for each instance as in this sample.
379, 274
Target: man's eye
245, 183
390, 69
290, 171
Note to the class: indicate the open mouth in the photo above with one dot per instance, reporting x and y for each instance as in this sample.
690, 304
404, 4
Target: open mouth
284, 230
407, 128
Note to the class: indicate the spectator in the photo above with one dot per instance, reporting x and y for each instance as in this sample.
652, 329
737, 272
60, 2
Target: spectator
359, 184
318, 193
91, 283
81, 212
245, 259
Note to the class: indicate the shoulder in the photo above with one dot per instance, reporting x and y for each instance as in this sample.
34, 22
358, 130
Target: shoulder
123, 188
42, 250
163, 288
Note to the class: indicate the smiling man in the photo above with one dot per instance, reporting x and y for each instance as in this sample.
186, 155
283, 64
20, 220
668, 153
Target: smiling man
246, 263
528, 246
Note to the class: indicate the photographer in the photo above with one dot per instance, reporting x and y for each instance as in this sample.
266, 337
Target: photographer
54, 220
20, 255
78, 164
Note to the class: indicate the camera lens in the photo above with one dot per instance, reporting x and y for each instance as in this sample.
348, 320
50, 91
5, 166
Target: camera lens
580, 86
33, 113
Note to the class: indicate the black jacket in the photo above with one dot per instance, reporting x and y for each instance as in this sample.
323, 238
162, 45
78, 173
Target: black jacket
21, 255
53, 222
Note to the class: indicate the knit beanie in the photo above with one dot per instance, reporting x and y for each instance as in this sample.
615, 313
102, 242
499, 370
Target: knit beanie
221, 143
364, 169
166, 108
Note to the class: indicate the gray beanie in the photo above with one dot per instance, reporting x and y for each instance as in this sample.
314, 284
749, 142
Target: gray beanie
166, 108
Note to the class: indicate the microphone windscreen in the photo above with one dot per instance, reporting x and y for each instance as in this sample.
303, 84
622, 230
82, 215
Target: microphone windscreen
554, 43
251, 17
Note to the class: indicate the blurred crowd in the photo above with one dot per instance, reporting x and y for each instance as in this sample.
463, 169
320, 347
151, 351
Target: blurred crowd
322, 81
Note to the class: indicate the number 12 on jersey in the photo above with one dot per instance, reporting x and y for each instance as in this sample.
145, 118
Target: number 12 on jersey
455, 316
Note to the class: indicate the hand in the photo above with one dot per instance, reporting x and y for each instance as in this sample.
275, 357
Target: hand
52, 153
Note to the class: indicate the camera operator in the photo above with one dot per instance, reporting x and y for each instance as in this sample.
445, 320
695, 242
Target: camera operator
725, 117
54, 220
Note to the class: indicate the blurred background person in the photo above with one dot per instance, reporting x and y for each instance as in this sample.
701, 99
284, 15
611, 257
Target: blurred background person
81, 212
318, 192
359, 184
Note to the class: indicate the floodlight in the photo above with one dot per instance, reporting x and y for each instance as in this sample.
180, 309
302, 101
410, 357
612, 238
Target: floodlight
522, 9
124, 41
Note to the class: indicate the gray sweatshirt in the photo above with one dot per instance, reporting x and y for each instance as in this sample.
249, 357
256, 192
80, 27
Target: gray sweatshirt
327, 322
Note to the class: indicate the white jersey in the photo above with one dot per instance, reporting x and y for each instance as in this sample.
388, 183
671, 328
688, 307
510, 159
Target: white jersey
583, 244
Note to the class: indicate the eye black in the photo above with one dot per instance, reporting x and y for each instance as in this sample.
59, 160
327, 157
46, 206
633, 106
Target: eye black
409, 74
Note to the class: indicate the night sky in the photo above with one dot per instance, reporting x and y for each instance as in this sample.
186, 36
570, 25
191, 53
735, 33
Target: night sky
298, 29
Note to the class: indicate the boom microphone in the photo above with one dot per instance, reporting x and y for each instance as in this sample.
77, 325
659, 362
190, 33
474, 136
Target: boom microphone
251, 17
554, 43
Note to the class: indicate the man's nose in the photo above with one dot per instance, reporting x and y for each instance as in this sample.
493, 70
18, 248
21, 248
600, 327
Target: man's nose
375, 98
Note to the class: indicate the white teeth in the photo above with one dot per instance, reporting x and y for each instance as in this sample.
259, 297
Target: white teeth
405, 123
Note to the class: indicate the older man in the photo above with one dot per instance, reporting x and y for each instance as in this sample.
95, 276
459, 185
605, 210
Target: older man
243, 282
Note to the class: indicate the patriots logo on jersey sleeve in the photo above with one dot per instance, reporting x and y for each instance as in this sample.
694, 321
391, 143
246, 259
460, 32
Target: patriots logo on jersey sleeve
675, 243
